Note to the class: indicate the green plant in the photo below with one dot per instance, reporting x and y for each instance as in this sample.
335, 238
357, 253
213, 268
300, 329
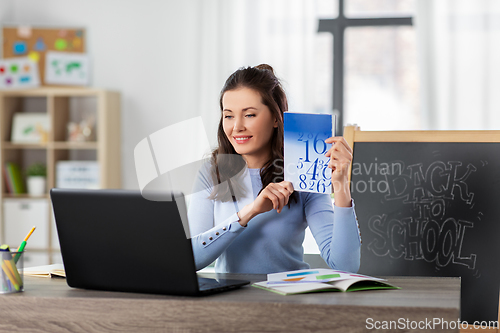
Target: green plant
37, 169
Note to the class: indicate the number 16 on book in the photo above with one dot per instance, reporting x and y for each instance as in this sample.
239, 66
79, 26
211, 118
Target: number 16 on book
306, 165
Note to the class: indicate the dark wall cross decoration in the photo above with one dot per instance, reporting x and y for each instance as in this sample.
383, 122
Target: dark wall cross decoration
337, 27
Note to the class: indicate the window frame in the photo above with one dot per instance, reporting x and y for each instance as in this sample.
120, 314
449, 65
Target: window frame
337, 27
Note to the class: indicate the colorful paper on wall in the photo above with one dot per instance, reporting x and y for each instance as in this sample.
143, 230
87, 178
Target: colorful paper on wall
20, 48
20, 41
67, 68
24, 31
40, 45
17, 73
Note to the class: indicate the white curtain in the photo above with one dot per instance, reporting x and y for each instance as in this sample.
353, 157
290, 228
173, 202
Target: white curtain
459, 44
240, 33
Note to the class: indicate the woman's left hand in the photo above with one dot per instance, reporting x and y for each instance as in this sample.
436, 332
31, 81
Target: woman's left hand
340, 159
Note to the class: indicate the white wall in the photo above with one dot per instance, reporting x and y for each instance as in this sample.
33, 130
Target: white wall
5, 11
141, 48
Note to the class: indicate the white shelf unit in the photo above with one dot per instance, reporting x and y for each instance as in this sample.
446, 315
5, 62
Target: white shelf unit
61, 105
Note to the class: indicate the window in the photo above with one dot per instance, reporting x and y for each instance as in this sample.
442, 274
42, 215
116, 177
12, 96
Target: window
380, 78
374, 74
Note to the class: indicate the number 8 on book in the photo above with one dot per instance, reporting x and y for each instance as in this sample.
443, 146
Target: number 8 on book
306, 165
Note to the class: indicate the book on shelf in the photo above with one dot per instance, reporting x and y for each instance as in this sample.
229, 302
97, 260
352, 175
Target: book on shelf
55, 270
8, 182
13, 178
317, 280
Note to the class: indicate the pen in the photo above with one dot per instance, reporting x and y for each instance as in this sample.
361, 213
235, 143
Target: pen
20, 249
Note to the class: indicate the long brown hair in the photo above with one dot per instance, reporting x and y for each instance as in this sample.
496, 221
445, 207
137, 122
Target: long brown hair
260, 78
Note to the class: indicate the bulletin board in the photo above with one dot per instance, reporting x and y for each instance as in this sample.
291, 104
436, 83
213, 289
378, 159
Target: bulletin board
34, 42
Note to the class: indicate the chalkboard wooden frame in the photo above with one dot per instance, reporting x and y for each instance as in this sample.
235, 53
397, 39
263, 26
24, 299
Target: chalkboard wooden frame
353, 134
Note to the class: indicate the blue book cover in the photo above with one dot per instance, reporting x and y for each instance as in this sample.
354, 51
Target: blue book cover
306, 165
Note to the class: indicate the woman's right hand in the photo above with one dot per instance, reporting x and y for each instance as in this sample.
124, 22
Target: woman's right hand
273, 196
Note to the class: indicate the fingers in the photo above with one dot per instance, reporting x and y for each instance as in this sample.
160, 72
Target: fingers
340, 156
270, 195
340, 150
339, 139
338, 167
279, 194
286, 188
280, 202
287, 185
339, 161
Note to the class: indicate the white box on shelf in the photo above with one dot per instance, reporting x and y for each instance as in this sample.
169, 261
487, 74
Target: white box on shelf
78, 174
20, 215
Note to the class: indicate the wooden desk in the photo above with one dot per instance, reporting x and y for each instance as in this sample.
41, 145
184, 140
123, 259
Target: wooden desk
49, 305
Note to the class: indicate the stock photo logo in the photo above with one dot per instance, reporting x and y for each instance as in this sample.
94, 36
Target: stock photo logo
167, 164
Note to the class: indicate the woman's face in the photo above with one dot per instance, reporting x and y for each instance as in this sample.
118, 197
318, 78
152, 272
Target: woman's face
248, 124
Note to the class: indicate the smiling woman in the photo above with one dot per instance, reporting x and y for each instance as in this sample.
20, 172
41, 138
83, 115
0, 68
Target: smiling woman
249, 125
242, 211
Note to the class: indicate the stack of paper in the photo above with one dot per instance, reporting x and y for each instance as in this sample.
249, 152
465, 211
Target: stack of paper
45, 271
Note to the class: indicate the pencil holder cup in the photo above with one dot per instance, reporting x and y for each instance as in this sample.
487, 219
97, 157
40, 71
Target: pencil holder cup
11, 273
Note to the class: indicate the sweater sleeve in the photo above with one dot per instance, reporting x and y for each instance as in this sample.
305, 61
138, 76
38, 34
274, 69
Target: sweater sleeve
336, 233
207, 239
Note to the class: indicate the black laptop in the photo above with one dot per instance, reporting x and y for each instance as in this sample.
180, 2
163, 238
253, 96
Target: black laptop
118, 241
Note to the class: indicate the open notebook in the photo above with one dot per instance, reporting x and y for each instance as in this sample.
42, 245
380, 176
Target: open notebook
56, 270
320, 279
